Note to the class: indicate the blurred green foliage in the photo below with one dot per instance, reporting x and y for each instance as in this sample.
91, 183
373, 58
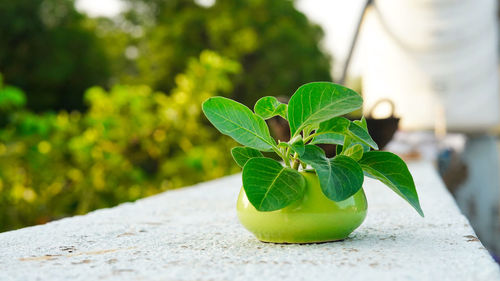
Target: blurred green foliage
275, 44
132, 142
71, 142
51, 51
55, 53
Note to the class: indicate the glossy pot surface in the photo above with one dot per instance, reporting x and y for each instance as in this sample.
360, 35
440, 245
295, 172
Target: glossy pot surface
312, 219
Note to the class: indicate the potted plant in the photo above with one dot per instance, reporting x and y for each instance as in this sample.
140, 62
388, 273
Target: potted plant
308, 197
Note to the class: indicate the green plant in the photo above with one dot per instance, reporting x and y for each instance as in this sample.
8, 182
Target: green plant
314, 116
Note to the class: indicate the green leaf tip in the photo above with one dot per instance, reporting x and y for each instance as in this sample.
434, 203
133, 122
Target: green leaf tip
241, 155
362, 135
268, 107
239, 122
391, 170
316, 102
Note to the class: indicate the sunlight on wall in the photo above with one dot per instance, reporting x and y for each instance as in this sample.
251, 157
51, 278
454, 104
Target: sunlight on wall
100, 8
338, 18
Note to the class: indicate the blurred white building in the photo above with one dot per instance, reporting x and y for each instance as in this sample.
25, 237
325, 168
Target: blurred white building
437, 60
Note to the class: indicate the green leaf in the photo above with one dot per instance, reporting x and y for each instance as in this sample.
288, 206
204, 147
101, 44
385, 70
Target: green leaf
355, 152
239, 122
393, 172
296, 144
362, 123
338, 149
347, 144
343, 126
269, 186
268, 107
316, 102
242, 154
328, 138
338, 125
295, 147
359, 133
339, 177
299, 147
332, 131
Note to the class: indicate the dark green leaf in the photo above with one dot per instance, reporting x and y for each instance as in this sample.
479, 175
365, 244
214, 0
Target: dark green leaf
366, 148
299, 147
338, 149
393, 172
333, 130
268, 107
239, 122
341, 126
361, 134
339, 177
269, 186
242, 154
316, 102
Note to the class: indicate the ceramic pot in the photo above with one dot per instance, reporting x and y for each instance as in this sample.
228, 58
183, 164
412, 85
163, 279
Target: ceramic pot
312, 219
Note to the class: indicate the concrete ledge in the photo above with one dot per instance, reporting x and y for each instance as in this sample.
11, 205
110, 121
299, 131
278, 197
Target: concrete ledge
193, 234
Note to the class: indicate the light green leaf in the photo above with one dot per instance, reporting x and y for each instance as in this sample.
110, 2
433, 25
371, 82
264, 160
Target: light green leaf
328, 138
269, 186
347, 144
316, 102
335, 125
339, 177
354, 151
362, 123
239, 122
242, 154
268, 107
393, 172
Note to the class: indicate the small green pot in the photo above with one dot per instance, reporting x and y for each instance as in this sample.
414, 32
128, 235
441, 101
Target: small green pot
312, 219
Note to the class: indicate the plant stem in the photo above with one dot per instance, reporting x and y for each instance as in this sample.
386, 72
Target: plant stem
308, 138
296, 161
287, 156
280, 154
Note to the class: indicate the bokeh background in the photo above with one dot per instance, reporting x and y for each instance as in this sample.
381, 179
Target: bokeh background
97, 110
100, 99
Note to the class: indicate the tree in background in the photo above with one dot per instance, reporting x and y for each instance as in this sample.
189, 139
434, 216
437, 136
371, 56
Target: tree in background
54, 53
130, 143
275, 44
51, 51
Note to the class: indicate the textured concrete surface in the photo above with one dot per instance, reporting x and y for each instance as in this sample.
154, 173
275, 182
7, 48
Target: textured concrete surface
193, 234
